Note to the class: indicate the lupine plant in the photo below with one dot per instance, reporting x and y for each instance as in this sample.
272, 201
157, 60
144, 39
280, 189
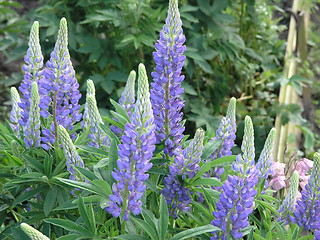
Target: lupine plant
134, 175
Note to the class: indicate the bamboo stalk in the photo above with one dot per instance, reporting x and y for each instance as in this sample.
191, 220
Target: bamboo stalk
288, 94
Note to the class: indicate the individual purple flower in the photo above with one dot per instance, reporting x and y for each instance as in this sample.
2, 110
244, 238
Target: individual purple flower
166, 89
92, 119
227, 132
70, 152
61, 87
288, 204
15, 113
135, 151
317, 235
32, 72
237, 196
265, 159
307, 210
127, 99
32, 127
184, 167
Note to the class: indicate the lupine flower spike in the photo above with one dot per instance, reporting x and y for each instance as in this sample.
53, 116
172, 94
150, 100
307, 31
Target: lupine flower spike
32, 233
32, 72
32, 127
15, 114
166, 89
308, 206
226, 131
237, 197
265, 160
92, 119
127, 99
184, 166
288, 204
70, 152
135, 151
62, 86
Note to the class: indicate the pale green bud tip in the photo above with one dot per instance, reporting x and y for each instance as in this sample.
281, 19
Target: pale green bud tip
63, 135
199, 132
34, 91
231, 112
33, 233
132, 76
143, 87
35, 27
90, 87
63, 23
248, 126
15, 95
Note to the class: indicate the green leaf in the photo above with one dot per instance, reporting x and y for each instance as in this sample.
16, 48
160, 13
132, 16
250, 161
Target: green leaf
113, 157
82, 185
195, 232
50, 200
223, 160
68, 225
103, 185
131, 237
206, 181
204, 66
110, 134
112, 122
93, 150
122, 120
210, 147
27, 195
85, 216
146, 227
34, 163
120, 110
70, 237
164, 218
86, 173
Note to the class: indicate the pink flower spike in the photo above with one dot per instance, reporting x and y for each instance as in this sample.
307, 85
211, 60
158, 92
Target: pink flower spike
278, 182
277, 169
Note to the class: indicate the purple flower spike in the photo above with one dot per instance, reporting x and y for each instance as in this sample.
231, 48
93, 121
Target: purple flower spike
92, 119
237, 196
32, 72
135, 151
61, 88
166, 89
15, 111
227, 132
233, 209
288, 204
307, 210
265, 160
70, 152
32, 127
184, 166
127, 100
